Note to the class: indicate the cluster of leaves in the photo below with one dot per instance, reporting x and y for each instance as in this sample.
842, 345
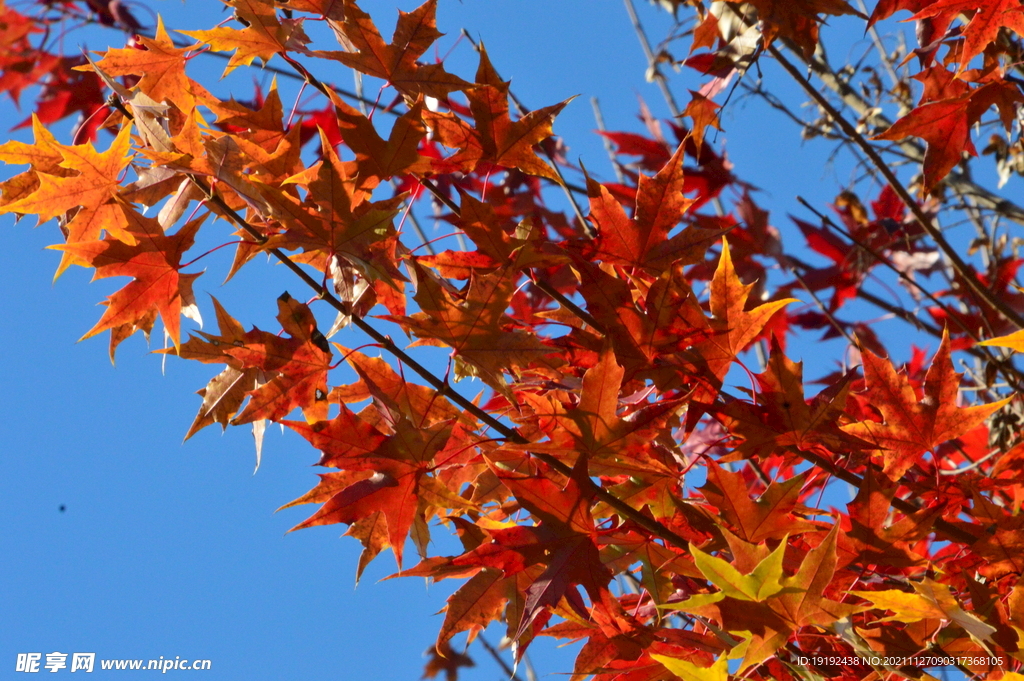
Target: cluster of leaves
605, 339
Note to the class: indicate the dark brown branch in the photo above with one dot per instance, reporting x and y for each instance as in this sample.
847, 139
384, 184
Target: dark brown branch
497, 658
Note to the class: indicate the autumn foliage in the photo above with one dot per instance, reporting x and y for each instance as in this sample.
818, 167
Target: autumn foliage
630, 336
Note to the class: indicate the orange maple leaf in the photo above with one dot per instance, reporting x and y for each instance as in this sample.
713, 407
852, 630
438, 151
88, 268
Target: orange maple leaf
983, 28
910, 427
340, 223
703, 112
263, 36
614, 445
292, 370
945, 125
396, 63
93, 189
643, 241
781, 418
732, 326
495, 138
769, 517
475, 327
798, 20
154, 262
161, 67
377, 159
383, 473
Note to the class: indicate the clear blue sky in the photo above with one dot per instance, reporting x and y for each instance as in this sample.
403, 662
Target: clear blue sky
171, 550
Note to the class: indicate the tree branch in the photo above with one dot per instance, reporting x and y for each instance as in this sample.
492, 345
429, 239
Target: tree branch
957, 262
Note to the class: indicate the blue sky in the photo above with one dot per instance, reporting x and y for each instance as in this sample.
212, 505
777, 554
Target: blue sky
170, 549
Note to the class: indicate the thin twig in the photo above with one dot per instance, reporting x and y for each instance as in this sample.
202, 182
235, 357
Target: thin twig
971, 466
652, 60
497, 658
872, 116
608, 146
943, 526
883, 56
783, 261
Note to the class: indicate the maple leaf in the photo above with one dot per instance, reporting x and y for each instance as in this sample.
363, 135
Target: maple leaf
703, 112
671, 338
269, 153
911, 427
93, 189
768, 625
613, 445
871, 536
66, 92
476, 604
380, 160
728, 302
340, 223
293, 370
688, 671
495, 138
476, 327
945, 126
447, 660
798, 20
731, 327
1014, 341
43, 156
392, 476
397, 63
418, 403
763, 582
931, 600
161, 67
263, 36
596, 419
643, 241
525, 248
802, 600
781, 417
567, 536
769, 517
154, 262
983, 28
224, 395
